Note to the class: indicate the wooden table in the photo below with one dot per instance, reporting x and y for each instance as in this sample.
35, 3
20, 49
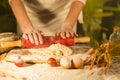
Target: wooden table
95, 74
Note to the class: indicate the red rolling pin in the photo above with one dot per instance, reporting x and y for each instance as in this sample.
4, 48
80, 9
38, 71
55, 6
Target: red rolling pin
48, 40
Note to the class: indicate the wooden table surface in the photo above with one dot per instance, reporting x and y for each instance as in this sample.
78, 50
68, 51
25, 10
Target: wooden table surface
112, 74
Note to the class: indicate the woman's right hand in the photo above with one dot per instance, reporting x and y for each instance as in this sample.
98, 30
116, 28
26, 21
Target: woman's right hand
35, 36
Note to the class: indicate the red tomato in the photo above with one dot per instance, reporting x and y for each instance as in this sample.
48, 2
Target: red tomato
19, 63
52, 62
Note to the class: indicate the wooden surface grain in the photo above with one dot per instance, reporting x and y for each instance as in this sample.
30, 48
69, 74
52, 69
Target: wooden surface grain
112, 74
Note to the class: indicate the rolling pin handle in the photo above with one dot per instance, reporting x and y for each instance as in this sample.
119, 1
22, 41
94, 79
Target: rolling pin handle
7, 44
82, 40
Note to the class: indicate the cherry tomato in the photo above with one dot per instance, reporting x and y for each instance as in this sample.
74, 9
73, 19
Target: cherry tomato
19, 63
52, 62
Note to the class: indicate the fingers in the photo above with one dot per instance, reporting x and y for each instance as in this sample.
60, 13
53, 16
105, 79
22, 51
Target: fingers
34, 36
39, 37
64, 34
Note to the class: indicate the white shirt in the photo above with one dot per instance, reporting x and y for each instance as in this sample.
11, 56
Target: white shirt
49, 15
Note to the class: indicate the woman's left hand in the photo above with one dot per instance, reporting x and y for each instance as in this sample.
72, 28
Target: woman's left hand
66, 31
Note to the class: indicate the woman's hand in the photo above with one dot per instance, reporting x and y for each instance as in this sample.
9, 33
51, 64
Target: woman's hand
71, 18
66, 31
35, 36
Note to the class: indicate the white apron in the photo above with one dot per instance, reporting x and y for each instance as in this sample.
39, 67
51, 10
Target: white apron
49, 15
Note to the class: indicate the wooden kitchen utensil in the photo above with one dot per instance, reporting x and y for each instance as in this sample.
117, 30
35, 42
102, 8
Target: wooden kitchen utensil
48, 40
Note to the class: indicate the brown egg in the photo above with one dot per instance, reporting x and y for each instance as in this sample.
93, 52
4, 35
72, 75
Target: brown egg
65, 62
77, 62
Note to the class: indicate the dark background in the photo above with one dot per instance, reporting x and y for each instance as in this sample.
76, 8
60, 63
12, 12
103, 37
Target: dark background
7, 19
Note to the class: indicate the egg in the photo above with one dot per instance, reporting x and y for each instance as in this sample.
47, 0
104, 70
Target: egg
77, 62
65, 62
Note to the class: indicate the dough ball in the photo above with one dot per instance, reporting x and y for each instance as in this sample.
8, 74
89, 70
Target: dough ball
65, 62
77, 62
